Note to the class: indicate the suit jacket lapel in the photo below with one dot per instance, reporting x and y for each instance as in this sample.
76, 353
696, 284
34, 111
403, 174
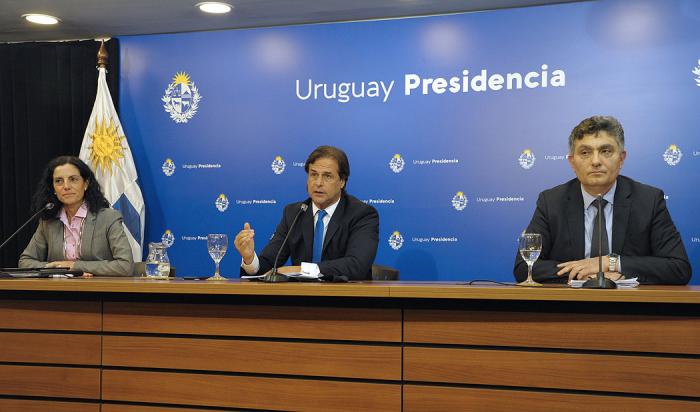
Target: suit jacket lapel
621, 214
334, 224
307, 231
88, 232
574, 213
56, 233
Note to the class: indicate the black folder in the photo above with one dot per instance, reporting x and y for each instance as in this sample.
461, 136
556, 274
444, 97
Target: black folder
29, 273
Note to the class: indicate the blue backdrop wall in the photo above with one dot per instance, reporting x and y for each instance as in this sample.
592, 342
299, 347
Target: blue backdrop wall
453, 124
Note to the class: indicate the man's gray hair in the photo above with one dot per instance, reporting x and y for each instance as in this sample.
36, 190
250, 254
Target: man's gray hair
595, 124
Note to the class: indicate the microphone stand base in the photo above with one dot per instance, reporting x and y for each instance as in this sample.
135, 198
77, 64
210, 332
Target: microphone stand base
275, 278
600, 282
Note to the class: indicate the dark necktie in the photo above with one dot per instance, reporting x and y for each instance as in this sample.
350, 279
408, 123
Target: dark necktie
596, 231
318, 236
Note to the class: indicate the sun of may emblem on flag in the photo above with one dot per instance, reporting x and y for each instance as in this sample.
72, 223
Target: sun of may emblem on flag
181, 98
106, 149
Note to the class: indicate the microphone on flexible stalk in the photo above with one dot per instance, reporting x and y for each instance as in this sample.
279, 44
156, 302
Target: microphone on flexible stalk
47, 206
273, 276
600, 281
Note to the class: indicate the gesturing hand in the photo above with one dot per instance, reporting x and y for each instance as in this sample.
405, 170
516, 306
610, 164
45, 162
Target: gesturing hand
245, 243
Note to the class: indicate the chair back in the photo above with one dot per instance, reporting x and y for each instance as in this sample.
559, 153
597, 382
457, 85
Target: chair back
380, 272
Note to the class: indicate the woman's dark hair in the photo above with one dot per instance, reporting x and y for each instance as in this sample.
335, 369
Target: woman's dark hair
333, 153
45, 192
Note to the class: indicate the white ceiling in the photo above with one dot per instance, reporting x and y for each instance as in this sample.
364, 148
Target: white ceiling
87, 19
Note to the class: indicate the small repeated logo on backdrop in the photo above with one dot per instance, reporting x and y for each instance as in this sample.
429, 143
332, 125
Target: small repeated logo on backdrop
168, 238
278, 165
168, 167
459, 201
526, 159
396, 240
396, 163
673, 155
696, 72
181, 98
221, 203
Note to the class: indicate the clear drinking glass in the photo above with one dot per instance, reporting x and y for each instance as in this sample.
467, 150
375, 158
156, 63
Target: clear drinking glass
530, 246
217, 243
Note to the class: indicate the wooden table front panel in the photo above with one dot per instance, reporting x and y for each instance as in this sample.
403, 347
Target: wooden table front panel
421, 398
590, 372
631, 333
249, 392
296, 322
50, 348
50, 381
248, 356
51, 315
25, 405
106, 407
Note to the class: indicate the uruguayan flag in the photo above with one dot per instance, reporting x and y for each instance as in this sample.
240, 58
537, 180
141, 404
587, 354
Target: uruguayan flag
107, 152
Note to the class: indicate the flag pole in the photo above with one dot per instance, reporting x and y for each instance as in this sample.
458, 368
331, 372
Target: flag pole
102, 56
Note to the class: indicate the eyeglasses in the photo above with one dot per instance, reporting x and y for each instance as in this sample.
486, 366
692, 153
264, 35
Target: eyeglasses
326, 177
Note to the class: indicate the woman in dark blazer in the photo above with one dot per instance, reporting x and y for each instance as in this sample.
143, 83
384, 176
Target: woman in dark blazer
81, 231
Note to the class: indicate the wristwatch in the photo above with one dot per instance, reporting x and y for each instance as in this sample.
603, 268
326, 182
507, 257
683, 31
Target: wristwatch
613, 258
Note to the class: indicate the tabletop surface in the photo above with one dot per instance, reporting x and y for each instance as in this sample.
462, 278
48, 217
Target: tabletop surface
387, 289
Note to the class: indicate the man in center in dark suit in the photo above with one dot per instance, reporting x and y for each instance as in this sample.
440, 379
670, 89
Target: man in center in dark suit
639, 239
338, 232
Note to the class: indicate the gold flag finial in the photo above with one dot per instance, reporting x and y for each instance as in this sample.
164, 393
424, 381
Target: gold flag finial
102, 56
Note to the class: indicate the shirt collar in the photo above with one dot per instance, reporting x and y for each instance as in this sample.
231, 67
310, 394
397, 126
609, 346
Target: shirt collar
330, 209
588, 198
81, 213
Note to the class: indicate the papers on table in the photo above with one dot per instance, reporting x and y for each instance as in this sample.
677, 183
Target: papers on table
309, 272
296, 275
621, 284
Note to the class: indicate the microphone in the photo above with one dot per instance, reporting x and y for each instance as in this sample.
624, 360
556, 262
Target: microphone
600, 282
273, 276
47, 206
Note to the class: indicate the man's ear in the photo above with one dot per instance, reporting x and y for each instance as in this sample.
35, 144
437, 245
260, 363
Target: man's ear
570, 158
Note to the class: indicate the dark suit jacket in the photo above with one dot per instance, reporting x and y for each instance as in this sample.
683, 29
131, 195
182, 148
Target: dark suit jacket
349, 246
643, 234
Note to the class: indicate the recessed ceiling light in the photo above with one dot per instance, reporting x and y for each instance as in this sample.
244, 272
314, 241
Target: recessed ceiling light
41, 18
214, 7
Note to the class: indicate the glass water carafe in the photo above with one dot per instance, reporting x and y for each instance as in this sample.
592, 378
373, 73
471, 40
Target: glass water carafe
158, 263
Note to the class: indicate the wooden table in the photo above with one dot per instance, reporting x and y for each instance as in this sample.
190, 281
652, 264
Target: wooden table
121, 345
